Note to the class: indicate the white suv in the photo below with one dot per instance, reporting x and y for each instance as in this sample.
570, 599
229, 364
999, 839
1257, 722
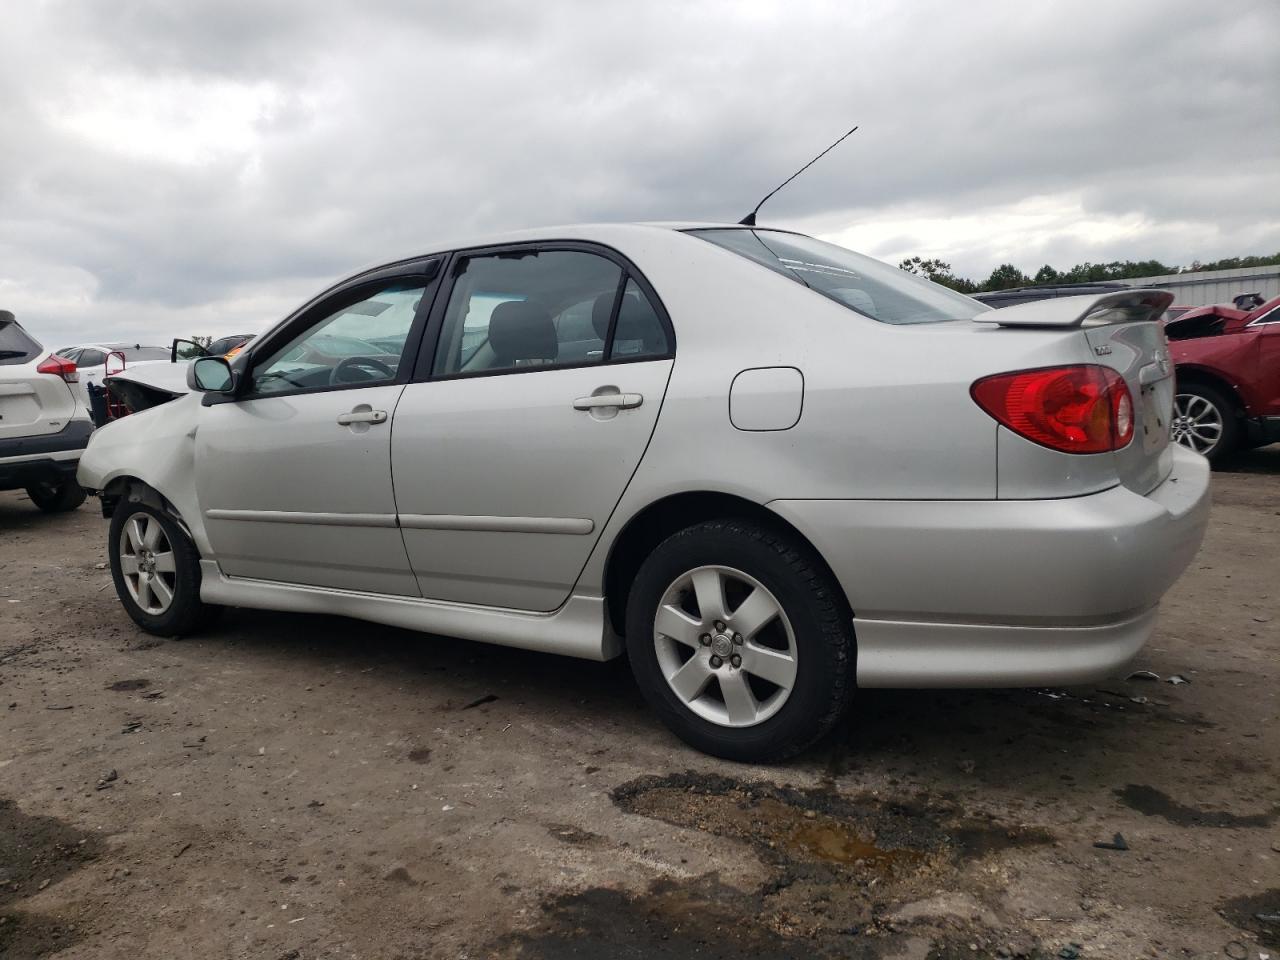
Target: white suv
43, 422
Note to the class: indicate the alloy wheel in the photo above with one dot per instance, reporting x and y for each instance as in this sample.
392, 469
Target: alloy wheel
147, 563
725, 646
1197, 423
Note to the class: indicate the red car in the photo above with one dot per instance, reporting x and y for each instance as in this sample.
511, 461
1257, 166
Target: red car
1228, 365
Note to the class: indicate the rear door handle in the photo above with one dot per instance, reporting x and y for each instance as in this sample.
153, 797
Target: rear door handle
624, 401
362, 416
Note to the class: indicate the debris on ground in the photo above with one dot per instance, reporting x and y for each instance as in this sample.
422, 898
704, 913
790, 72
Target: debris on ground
487, 698
1117, 842
106, 780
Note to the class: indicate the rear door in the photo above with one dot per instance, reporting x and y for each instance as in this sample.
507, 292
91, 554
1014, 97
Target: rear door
520, 433
32, 404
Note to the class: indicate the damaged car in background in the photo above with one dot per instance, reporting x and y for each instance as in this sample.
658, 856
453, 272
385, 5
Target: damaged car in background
767, 469
1228, 364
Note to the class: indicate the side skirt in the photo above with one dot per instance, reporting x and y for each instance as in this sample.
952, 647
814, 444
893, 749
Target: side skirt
579, 628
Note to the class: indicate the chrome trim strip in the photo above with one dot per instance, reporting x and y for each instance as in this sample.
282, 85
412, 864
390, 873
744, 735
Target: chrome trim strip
446, 521
319, 519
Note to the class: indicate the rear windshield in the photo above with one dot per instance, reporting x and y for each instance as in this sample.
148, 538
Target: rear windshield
864, 285
16, 345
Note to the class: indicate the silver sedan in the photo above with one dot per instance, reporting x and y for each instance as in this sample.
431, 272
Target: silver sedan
766, 468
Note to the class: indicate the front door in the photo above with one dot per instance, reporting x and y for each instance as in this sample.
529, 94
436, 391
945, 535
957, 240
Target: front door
294, 476
526, 424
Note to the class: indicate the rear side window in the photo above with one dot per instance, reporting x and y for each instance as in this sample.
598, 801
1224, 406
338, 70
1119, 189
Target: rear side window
91, 358
862, 284
16, 345
134, 354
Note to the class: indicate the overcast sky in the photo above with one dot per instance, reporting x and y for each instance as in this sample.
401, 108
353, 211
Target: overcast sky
170, 168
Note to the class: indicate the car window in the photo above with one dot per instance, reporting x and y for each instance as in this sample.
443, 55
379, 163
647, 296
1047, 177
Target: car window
638, 332
16, 346
90, 357
864, 285
358, 343
527, 310
135, 354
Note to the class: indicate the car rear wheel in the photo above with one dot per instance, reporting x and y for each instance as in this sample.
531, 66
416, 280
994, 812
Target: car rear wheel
156, 569
1204, 420
739, 640
56, 497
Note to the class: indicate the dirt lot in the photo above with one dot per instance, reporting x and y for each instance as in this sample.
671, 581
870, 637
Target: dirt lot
290, 787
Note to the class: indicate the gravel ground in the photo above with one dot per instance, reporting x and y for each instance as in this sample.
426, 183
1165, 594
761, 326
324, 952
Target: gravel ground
290, 787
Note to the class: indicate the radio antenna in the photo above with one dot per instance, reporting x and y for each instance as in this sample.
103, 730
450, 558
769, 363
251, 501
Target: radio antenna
750, 219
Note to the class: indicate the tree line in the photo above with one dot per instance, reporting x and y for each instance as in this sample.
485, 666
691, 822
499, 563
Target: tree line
1007, 276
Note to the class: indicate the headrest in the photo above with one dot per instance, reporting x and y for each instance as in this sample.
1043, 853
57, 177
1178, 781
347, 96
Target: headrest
522, 330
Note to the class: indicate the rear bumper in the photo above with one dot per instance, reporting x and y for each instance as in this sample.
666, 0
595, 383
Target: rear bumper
1007, 592
49, 458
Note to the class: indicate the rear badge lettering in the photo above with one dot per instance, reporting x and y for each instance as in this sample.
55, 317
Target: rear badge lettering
1103, 351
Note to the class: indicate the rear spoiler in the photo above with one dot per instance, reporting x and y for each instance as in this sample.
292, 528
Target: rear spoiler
1091, 310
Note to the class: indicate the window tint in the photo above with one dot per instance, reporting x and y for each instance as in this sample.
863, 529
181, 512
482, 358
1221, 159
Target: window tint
91, 358
15, 345
359, 343
536, 309
860, 283
132, 354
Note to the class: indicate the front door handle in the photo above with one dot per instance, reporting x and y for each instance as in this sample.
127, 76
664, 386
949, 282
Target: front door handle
624, 401
362, 416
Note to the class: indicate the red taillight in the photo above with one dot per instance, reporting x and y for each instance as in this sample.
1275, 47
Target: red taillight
59, 367
1077, 409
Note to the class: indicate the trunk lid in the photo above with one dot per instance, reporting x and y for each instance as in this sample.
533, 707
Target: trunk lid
1122, 331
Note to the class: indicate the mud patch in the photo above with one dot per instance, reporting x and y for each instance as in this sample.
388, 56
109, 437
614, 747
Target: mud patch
420, 755
1259, 914
575, 836
35, 849
123, 686
36, 852
1151, 802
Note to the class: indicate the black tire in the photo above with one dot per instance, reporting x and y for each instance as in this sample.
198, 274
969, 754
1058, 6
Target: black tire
1230, 436
58, 497
185, 612
810, 600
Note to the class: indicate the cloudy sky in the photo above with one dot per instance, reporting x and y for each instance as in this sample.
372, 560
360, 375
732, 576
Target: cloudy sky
170, 168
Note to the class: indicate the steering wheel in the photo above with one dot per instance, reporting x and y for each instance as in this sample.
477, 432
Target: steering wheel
369, 363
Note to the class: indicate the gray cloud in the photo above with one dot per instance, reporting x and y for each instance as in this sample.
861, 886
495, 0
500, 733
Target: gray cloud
200, 167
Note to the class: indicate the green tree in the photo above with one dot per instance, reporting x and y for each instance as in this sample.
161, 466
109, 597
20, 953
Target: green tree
1006, 277
939, 272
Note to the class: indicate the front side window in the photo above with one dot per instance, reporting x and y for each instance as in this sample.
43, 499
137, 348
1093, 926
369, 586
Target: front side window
89, 357
358, 343
862, 284
544, 308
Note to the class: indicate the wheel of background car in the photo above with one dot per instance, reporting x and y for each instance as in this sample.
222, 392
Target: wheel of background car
156, 569
56, 497
1204, 420
371, 363
739, 640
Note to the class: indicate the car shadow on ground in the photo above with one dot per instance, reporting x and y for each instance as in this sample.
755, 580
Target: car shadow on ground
1008, 736
1260, 460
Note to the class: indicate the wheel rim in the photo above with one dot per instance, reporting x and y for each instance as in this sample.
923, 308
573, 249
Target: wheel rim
725, 646
1197, 423
147, 563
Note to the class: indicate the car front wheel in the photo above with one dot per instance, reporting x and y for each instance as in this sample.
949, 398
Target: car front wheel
1205, 421
740, 641
156, 569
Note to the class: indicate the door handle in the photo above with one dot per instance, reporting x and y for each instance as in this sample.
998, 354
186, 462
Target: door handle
624, 401
362, 416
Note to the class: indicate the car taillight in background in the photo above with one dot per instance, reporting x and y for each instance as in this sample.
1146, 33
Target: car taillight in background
1083, 408
59, 367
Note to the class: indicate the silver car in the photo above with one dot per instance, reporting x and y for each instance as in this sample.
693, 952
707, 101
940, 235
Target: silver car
768, 469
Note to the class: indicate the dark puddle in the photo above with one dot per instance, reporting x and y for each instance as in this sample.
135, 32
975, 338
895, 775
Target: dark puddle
36, 851
837, 866
1259, 914
1153, 803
